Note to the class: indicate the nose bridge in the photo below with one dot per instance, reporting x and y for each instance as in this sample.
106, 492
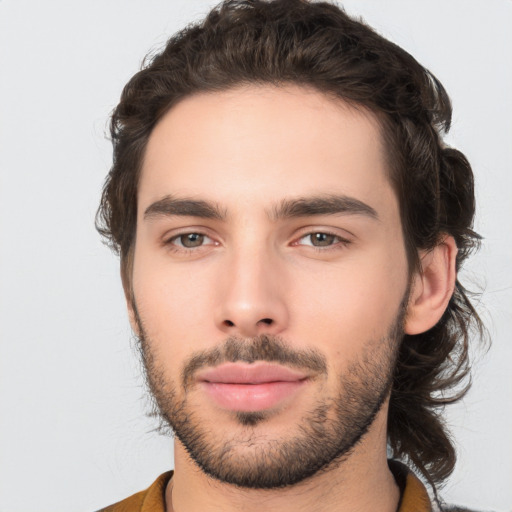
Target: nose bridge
252, 299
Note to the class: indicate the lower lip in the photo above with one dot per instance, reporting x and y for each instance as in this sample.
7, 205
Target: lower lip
252, 397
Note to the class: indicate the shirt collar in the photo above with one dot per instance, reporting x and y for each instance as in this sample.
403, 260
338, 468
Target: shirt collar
413, 494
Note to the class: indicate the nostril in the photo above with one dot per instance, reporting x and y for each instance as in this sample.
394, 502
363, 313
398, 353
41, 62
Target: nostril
266, 321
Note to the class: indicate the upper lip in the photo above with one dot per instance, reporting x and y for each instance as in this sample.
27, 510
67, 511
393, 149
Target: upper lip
254, 373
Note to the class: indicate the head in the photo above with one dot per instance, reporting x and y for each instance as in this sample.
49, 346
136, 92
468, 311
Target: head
269, 60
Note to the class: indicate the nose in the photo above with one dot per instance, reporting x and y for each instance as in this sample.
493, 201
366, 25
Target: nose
252, 296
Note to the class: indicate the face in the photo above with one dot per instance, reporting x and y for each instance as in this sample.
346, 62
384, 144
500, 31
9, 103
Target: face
269, 280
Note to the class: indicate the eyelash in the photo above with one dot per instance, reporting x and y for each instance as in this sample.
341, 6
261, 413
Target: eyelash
181, 248
338, 244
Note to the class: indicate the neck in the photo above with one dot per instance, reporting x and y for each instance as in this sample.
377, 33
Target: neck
360, 482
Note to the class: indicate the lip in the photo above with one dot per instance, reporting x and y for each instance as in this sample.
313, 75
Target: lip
245, 373
250, 387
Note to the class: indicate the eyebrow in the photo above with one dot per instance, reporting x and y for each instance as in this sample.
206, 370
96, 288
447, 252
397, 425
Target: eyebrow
287, 209
322, 205
169, 206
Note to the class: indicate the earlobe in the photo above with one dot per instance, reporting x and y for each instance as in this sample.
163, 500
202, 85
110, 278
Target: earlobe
132, 317
130, 306
432, 287
126, 271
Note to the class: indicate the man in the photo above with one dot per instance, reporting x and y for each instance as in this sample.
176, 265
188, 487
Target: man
290, 226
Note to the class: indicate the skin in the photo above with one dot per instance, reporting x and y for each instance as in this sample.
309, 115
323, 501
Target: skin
247, 151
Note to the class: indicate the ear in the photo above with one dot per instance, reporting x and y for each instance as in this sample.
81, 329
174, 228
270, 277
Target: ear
132, 317
432, 287
130, 305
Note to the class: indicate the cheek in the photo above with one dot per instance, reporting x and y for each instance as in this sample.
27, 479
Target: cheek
349, 305
171, 301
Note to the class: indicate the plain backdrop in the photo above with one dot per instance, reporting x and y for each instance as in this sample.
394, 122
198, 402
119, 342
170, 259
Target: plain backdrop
74, 434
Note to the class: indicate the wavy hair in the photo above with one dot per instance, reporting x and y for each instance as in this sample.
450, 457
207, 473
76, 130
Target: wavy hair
318, 45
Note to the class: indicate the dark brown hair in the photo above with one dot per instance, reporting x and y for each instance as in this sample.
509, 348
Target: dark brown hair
317, 45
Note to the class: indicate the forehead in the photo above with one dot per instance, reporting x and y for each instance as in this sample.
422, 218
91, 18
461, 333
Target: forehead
258, 144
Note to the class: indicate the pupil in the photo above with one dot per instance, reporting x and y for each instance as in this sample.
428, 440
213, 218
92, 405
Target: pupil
322, 239
192, 240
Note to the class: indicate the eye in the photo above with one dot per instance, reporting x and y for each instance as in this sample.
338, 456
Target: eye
190, 240
320, 239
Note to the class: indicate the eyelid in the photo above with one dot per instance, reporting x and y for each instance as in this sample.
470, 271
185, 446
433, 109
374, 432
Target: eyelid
185, 230
168, 238
177, 237
343, 235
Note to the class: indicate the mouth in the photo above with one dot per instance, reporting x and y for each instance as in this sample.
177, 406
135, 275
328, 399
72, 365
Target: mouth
251, 387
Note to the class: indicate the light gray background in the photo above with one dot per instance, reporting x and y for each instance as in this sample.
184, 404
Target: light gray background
73, 435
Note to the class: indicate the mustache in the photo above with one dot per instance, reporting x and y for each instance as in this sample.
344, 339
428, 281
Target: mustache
265, 347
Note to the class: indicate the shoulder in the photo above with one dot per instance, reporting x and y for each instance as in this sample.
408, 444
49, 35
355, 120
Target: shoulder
152, 499
414, 494
130, 504
454, 508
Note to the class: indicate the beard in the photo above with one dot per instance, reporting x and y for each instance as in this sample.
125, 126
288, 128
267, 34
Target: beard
322, 438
